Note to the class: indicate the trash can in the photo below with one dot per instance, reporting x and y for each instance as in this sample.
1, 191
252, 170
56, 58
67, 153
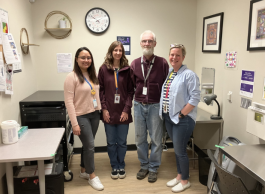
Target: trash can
204, 165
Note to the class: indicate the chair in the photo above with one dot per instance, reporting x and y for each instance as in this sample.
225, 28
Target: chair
228, 183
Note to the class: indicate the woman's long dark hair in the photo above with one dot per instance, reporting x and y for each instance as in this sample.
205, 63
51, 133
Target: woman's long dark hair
91, 70
109, 58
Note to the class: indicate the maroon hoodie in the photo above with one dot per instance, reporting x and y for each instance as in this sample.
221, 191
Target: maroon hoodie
107, 92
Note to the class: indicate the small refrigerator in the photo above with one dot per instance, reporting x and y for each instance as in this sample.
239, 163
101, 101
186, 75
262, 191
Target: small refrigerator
46, 109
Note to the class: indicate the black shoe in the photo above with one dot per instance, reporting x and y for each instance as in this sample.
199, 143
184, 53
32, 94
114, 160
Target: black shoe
114, 174
142, 174
122, 174
152, 177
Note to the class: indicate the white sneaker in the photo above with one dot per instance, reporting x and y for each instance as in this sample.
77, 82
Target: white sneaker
96, 184
179, 187
173, 182
84, 175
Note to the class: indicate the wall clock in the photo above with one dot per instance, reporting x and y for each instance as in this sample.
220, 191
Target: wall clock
97, 20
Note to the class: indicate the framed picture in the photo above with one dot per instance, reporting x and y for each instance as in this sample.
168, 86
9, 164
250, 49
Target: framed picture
212, 33
256, 28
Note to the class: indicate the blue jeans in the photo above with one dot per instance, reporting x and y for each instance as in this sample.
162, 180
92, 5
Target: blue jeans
180, 134
117, 144
146, 117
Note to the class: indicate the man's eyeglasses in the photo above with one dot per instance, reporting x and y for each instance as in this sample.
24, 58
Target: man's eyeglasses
84, 58
176, 45
147, 41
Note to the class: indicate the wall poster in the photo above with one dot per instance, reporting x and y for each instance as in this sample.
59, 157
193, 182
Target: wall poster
126, 42
212, 33
247, 83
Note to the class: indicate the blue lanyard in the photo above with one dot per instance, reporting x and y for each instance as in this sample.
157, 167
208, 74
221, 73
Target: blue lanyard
88, 83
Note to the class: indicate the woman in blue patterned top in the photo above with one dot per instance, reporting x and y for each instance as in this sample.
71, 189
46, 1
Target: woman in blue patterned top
178, 106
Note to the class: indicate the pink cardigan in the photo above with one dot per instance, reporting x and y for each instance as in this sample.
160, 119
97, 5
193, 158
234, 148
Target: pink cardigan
78, 98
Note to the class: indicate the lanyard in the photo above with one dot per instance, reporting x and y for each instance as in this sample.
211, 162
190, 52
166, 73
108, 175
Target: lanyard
145, 78
168, 85
93, 92
116, 76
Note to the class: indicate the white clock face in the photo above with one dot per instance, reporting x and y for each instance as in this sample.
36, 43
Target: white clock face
97, 20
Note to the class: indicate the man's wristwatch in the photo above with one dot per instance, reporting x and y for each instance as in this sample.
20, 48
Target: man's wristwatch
181, 115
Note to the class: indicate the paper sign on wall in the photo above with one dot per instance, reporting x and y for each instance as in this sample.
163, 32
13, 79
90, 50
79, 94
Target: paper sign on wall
64, 62
9, 79
126, 42
2, 74
247, 83
263, 95
231, 59
17, 67
4, 28
10, 49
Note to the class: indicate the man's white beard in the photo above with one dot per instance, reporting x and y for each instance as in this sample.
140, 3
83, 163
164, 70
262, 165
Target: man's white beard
148, 51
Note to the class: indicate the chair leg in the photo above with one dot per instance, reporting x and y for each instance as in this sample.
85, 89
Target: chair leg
191, 147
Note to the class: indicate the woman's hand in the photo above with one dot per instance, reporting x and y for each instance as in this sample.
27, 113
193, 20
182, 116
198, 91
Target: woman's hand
124, 117
106, 116
76, 130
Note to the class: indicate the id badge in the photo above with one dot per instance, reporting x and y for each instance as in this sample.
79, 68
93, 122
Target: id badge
165, 109
144, 90
95, 103
117, 99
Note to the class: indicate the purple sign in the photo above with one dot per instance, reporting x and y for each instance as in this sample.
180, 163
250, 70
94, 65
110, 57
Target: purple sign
126, 42
247, 83
247, 76
246, 88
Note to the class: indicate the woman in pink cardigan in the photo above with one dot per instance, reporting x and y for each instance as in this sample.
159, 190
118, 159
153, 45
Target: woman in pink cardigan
81, 93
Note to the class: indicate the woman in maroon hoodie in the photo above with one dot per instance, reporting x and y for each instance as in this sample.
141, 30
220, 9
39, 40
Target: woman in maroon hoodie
116, 94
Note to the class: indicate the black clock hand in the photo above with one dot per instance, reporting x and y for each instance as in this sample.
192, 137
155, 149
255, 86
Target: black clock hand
94, 18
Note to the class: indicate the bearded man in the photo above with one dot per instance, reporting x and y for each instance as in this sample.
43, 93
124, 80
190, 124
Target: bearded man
148, 74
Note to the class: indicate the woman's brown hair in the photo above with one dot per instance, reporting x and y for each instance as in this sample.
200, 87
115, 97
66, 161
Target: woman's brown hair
91, 70
109, 58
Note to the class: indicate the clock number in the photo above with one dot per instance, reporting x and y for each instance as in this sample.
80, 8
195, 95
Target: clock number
90, 25
97, 10
105, 25
97, 29
104, 15
101, 28
92, 12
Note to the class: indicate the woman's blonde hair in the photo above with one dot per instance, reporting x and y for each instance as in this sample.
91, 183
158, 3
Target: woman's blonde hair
175, 45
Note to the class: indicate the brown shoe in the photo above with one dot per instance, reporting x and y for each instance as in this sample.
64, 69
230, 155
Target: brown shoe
152, 177
142, 174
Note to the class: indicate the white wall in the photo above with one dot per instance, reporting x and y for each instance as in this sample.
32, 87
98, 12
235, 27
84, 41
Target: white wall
168, 19
20, 16
235, 33
171, 20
